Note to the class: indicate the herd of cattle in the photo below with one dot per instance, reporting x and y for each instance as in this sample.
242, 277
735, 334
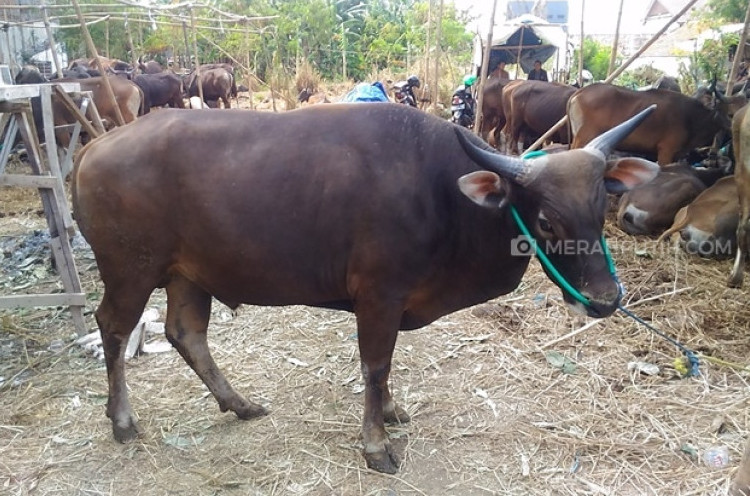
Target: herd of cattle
705, 206
684, 199
386, 211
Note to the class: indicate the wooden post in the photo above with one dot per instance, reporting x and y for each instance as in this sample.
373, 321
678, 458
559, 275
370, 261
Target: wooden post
739, 54
95, 55
247, 73
106, 38
427, 46
130, 42
520, 49
11, 59
580, 48
195, 51
187, 45
343, 51
617, 72
615, 42
438, 34
483, 72
52, 44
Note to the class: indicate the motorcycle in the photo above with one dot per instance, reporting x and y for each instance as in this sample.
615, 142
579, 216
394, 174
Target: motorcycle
462, 107
403, 92
462, 104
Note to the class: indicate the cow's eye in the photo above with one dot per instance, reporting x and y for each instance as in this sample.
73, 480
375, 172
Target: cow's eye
544, 225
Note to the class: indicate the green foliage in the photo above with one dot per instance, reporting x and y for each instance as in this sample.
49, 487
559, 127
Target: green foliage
639, 77
374, 35
713, 59
727, 10
595, 58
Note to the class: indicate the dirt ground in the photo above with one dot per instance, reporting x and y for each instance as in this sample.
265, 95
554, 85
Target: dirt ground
502, 400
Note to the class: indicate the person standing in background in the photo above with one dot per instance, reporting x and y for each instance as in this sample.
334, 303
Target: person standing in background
499, 72
537, 73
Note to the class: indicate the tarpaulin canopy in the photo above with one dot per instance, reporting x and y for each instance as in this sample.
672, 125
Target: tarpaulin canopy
531, 37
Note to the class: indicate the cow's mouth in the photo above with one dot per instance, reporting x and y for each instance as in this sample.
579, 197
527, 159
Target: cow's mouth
597, 308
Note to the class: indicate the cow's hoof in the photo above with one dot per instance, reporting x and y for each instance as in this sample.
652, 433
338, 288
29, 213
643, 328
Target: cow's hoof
383, 461
396, 416
250, 410
734, 282
126, 431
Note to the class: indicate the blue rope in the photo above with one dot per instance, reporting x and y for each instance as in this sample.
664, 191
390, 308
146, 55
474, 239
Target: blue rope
689, 354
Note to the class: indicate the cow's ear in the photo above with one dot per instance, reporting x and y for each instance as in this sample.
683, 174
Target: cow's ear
625, 174
484, 188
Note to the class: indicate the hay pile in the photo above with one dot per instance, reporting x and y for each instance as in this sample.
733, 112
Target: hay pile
493, 411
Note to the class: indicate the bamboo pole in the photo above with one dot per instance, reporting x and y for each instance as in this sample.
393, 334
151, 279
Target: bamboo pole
739, 54
580, 47
616, 41
95, 55
130, 42
483, 73
617, 72
52, 44
427, 47
187, 44
195, 51
520, 50
438, 35
106, 38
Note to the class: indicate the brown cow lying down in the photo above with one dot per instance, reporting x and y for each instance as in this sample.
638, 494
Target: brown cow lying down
708, 225
651, 208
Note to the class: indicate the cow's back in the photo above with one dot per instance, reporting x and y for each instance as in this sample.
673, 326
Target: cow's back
678, 124
228, 200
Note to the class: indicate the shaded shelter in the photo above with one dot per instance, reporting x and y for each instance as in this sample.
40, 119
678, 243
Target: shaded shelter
526, 39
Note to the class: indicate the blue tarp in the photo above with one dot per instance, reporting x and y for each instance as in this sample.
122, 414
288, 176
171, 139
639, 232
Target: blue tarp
366, 92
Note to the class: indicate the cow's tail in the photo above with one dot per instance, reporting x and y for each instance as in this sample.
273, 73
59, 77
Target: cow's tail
680, 221
142, 109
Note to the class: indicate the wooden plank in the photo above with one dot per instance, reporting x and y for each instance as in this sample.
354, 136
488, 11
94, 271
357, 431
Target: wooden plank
73, 108
43, 300
53, 161
10, 132
28, 181
93, 114
21, 91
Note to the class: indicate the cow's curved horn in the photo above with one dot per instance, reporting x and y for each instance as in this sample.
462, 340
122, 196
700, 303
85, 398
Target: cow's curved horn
606, 142
509, 167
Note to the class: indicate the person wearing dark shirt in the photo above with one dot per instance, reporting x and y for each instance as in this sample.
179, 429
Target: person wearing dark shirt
537, 73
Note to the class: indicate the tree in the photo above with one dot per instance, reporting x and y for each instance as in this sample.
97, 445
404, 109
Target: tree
595, 58
727, 10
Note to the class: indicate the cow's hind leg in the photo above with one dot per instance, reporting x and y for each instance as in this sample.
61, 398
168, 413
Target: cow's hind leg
117, 315
743, 243
188, 310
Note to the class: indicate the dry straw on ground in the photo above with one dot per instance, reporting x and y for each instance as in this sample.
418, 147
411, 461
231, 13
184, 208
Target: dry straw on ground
490, 413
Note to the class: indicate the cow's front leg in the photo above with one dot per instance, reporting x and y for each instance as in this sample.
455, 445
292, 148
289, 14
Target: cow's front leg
377, 327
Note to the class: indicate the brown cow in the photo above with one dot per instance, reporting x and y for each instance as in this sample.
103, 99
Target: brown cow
217, 84
493, 116
679, 124
534, 107
708, 225
399, 234
741, 141
651, 208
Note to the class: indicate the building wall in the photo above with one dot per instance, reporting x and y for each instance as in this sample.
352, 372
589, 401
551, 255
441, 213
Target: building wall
25, 35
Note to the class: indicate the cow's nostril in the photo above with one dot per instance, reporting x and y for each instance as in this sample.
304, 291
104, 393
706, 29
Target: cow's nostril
685, 235
628, 217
